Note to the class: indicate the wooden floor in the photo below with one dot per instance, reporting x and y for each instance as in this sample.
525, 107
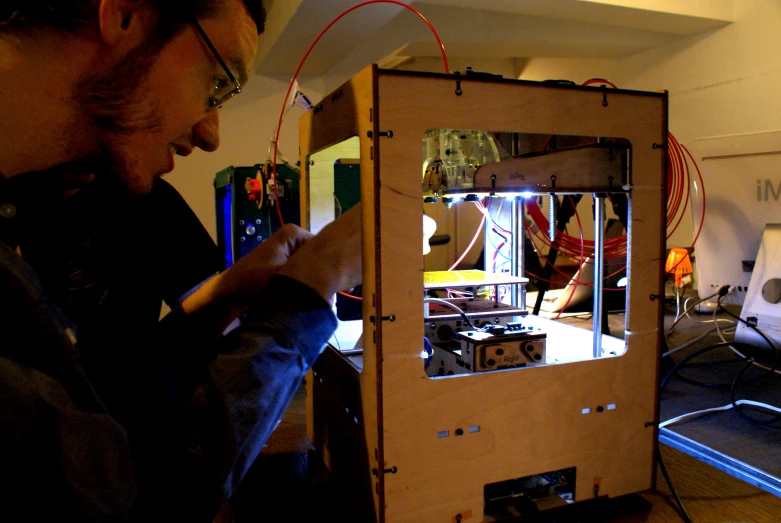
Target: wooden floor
709, 495
281, 488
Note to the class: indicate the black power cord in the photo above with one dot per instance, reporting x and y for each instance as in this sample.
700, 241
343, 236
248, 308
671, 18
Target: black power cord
722, 292
682, 510
740, 409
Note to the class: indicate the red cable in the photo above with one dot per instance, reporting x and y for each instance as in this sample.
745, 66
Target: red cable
600, 81
702, 189
678, 197
469, 247
577, 274
295, 76
306, 55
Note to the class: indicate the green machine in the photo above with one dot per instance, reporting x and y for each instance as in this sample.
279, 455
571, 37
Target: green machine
247, 209
347, 193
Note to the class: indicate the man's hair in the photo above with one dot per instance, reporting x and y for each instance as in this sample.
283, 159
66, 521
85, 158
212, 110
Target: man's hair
22, 16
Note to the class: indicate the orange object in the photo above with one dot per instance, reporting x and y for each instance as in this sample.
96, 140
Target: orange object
254, 189
678, 263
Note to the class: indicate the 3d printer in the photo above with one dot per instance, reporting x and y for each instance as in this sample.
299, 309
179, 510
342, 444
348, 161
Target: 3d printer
442, 408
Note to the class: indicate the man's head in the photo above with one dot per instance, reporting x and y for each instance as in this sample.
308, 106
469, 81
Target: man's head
73, 15
147, 98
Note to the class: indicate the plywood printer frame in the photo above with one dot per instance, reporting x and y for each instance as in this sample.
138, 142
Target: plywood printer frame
388, 418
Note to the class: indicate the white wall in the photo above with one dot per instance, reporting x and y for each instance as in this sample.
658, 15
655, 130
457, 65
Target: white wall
724, 82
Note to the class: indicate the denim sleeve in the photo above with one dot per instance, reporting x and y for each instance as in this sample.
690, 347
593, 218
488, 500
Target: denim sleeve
181, 427
230, 413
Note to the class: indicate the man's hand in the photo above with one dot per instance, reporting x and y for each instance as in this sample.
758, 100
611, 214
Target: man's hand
225, 297
248, 276
328, 263
331, 261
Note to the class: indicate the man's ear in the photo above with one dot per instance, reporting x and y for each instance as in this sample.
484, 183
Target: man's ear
121, 22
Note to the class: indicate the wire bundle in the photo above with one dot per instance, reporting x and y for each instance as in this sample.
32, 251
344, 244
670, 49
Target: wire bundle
769, 415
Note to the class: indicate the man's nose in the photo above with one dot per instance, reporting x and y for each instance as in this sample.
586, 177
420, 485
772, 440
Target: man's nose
207, 131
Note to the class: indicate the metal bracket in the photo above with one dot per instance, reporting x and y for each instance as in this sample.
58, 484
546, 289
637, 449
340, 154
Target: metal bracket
390, 317
387, 133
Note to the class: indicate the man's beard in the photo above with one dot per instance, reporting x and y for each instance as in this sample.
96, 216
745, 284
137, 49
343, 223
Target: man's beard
116, 107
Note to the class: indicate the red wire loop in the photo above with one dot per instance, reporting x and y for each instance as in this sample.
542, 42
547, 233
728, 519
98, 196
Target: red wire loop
306, 55
298, 69
677, 195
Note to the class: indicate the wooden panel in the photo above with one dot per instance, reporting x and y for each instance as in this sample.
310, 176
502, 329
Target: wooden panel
530, 419
643, 269
348, 112
576, 170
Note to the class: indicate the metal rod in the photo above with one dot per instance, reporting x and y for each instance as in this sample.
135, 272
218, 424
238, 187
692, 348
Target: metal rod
521, 242
518, 297
599, 265
488, 248
552, 216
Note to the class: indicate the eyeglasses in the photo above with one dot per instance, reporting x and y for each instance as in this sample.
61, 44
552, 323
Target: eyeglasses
223, 91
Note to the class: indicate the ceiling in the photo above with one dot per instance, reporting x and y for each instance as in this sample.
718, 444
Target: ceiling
513, 31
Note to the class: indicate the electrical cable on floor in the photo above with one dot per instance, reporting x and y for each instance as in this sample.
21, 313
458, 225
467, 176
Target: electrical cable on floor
687, 310
765, 423
734, 403
692, 342
767, 340
723, 292
715, 320
721, 333
697, 413
684, 515
682, 510
695, 354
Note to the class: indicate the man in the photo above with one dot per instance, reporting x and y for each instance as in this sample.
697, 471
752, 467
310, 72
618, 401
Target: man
112, 258
121, 86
